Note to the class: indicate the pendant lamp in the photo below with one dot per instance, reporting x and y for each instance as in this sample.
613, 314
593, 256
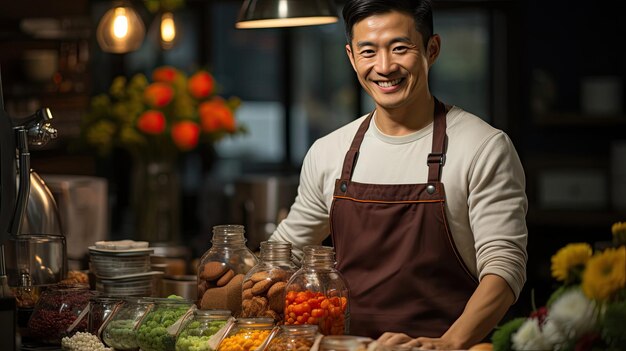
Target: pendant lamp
167, 30
285, 13
120, 30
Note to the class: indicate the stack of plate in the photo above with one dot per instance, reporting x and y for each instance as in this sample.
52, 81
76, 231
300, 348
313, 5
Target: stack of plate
122, 268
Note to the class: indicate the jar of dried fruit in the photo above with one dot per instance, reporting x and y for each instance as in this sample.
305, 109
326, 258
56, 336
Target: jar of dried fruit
61, 310
264, 285
293, 338
248, 334
222, 268
318, 294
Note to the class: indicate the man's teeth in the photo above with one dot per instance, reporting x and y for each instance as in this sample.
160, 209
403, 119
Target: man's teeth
388, 84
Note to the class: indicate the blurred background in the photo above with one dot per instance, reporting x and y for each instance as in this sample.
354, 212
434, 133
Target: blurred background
549, 73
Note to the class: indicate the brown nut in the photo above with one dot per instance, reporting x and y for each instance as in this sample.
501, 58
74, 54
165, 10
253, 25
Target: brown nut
258, 276
233, 295
213, 270
247, 284
272, 314
247, 294
202, 288
214, 298
261, 302
278, 275
261, 287
246, 308
276, 296
225, 278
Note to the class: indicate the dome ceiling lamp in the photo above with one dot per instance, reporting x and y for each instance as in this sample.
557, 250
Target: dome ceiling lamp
120, 30
285, 13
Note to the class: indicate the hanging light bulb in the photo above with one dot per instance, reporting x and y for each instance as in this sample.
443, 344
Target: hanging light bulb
168, 30
120, 30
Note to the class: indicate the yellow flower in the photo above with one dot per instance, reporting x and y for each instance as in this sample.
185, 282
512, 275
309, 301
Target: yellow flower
605, 274
569, 261
619, 233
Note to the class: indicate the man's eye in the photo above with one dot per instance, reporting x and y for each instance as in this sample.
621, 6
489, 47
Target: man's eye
367, 53
400, 49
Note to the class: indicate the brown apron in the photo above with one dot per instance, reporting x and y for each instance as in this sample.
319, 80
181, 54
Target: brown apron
395, 249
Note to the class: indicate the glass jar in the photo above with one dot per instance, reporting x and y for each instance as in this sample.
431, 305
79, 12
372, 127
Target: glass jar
293, 338
100, 308
222, 268
263, 293
120, 330
196, 333
317, 293
60, 311
344, 343
248, 334
153, 333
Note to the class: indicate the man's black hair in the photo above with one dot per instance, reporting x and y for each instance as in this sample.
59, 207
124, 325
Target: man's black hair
421, 11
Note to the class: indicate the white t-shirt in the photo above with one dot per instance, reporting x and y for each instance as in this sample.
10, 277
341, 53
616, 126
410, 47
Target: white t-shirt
483, 178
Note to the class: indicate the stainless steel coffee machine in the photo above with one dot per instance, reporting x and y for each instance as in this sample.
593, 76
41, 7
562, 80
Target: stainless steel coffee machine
33, 249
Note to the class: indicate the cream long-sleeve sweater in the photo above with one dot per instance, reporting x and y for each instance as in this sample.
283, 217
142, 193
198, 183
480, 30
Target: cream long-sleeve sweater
483, 179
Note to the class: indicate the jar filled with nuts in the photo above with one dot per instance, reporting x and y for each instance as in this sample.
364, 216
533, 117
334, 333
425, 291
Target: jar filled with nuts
197, 332
61, 310
293, 338
264, 285
222, 268
318, 294
248, 334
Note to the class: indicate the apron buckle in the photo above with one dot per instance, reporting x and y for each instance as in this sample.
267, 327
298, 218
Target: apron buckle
436, 157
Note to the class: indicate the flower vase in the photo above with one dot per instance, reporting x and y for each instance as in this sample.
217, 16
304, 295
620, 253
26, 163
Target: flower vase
156, 201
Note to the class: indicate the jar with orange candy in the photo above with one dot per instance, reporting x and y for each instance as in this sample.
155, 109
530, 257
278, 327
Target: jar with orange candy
318, 294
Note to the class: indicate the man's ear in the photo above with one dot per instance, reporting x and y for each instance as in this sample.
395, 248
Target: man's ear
433, 49
350, 56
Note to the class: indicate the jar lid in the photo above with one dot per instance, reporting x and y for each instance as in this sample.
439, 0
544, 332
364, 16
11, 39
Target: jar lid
255, 322
213, 314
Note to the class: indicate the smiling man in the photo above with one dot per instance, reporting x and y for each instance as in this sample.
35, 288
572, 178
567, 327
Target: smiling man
425, 202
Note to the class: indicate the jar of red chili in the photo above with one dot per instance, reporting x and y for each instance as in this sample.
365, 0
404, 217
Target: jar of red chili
318, 294
61, 310
264, 285
222, 268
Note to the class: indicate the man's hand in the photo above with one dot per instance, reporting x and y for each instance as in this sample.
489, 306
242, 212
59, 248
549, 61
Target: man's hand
422, 343
483, 311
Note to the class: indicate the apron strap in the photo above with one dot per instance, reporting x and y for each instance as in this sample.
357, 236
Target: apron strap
353, 153
437, 157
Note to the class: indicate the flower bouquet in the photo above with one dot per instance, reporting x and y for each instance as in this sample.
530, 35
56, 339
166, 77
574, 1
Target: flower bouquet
156, 121
159, 119
588, 310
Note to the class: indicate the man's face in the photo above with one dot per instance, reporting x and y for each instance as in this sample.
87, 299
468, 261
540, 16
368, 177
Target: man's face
390, 60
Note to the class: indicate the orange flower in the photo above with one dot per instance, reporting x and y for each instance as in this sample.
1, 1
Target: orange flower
165, 74
185, 135
158, 94
215, 114
200, 85
151, 122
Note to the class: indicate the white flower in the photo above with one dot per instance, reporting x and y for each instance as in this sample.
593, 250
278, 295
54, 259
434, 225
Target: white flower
553, 332
530, 338
573, 313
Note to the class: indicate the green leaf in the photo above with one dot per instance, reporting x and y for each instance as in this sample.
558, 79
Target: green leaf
501, 338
